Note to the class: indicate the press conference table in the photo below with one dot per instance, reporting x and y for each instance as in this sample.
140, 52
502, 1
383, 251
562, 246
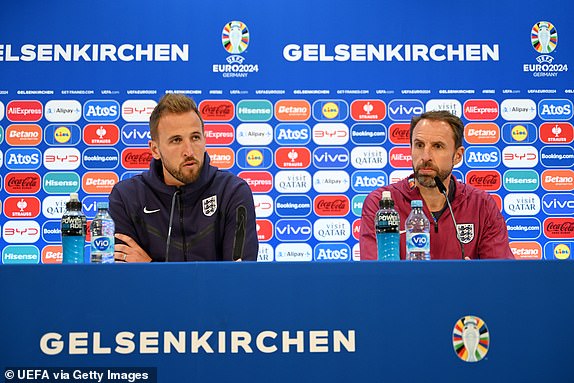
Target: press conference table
289, 322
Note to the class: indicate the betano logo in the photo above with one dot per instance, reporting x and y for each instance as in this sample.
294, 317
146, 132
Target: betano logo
23, 135
99, 182
481, 133
223, 158
526, 250
217, 110
264, 229
481, 110
399, 134
259, 182
292, 110
557, 180
293, 158
24, 111
52, 254
368, 110
556, 133
22, 207
219, 134
101, 134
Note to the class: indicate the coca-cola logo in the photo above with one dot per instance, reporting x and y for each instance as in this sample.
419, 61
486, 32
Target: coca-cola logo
216, 110
136, 158
559, 227
25, 183
332, 205
399, 133
484, 179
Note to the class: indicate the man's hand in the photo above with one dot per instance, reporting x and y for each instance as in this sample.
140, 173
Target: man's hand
129, 251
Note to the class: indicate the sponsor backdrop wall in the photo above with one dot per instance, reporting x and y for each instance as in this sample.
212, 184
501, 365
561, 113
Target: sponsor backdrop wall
309, 102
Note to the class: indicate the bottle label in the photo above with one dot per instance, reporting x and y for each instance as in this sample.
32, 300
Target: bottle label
418, 242
103, 244
73, 225
387, 222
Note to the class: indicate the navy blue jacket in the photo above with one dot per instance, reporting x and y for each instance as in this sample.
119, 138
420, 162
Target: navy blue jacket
213, 218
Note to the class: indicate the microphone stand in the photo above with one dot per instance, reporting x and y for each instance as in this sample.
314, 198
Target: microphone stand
442, 189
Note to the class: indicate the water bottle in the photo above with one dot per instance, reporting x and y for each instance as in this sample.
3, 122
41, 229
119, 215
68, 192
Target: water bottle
418, 233
102, 232
73, 229
387, 229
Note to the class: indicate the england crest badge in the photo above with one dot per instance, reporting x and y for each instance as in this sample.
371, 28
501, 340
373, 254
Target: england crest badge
209, 205
465, 232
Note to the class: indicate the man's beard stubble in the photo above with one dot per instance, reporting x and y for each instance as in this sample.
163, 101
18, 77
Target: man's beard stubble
428, 181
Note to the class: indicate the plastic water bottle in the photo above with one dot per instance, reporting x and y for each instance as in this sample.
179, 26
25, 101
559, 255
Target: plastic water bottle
387, 229
102, 232
418, 233
73, 228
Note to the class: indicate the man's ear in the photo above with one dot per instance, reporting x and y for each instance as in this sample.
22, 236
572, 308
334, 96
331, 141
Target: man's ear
458, 155
154, 148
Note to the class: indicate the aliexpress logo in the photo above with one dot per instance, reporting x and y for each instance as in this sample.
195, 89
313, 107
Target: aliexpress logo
556, 133
259, 182
526, 250
368, 110
223, 158
22, 183
22, 207
52, 254
264, 230
481, 133
216, 110
357, 230
219, 134
485, 110
557, 180
99, 182
488, 180
400, 157
101, 134
24, 111
399, 133
559, 227
292, 110
331, 205
23, 135
136, 158
292, 158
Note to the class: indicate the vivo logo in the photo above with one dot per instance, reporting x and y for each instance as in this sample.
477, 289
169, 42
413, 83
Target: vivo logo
135, 134
298, 230
331, 158
558, 203
404, 110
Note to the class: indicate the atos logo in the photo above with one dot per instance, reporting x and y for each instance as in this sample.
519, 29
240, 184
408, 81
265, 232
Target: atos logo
522, 204
61, 182
523, 228
520, 156
482, 156
368, 134
137, 110
521, 180
365, 181
557, 156
400, 157
52, 232
559, 227
63, 110
23, 135
219, 134
259, 182
90, 205
331, 181
24, 111
100, 158
293, 252
332, 252
21, 231
357, 204
20, 254
523, 133
330, 110
556, 133
136, 134
518, 109
59, 134
488, 180
293, 230
331, 157
526, 250
264, 229
293, 181
292, 110
292, 134
256, 134
399, 134
481, 133
101, 134
558, 203
101, 110
22, 183
62, 158
254, 158
558, 250
484, 110
368, 110
557, 180
298, 205
217, 110
332, 229
293, 158
330, 134
136, 158
369, 157
22, 158
404, 110
263, 205
331, 205
555, 109
22, 207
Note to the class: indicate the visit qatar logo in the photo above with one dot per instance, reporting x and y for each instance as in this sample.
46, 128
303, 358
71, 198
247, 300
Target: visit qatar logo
544, 40
470, 338
235, 38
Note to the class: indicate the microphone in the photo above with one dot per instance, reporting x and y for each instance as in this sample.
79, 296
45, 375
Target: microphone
168, 240
442, 189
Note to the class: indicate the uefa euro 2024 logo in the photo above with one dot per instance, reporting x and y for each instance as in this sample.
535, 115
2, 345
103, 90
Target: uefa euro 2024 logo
544, 39
235, 39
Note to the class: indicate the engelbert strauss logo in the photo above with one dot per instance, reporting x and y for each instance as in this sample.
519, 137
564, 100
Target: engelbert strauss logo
544, 39
235, 40
470, 338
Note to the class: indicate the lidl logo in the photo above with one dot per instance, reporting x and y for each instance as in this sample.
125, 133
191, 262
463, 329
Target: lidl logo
365, 181
292, 110
332, 252
219, 134
556, 133
485, 110
481, 133
23, 135
558, 203
254, 110
330, 110
526, 250
254, 158
297, 205
16, 254
101, 110
331, 157
217, 110
519, 133
61, 182
558, 156
555, 109
223, 158
293, 158
404, 110
368, 134
558, 250
523, 228
292, 134
482, 156
521, 180
399, 134
62, 134
368, 110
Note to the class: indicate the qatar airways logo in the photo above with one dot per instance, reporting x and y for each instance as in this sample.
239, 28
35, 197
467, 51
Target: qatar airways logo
523, 204
331, 229
451, 105
369, 157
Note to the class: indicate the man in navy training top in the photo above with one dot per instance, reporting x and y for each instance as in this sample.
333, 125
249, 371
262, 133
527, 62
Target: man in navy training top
182, 208
436, 147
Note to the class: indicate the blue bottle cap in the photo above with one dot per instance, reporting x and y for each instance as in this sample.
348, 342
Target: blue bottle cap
416, 203
102, 205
